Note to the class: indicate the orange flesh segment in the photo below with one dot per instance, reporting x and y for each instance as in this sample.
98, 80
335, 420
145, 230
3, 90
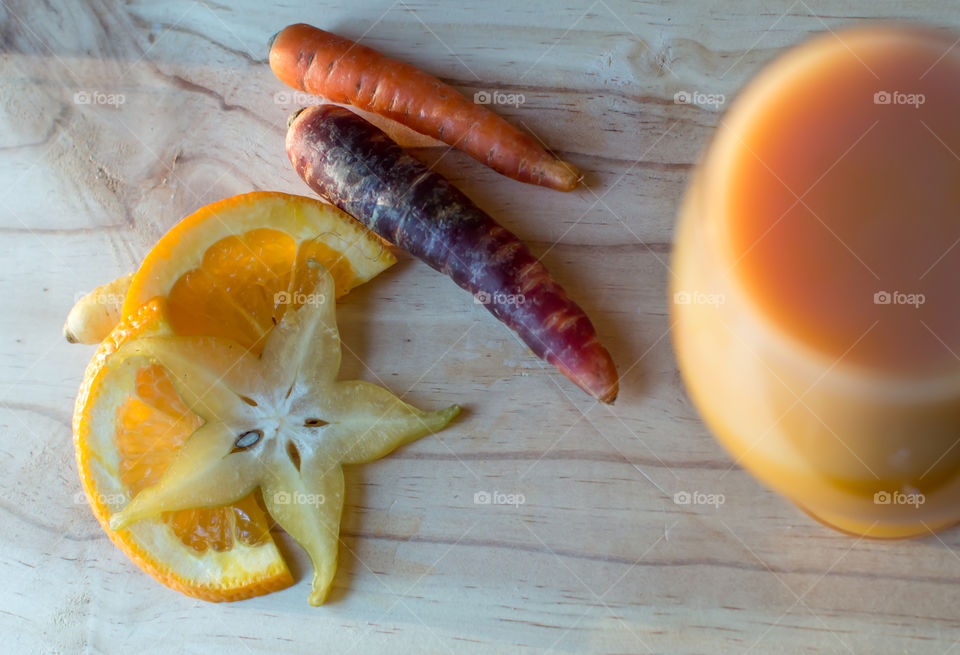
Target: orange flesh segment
151, 426
246, 283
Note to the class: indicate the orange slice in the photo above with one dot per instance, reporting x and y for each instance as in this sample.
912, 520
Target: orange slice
126, 432
233, 268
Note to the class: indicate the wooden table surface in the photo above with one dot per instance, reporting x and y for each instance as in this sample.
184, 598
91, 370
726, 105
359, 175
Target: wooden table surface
120, 118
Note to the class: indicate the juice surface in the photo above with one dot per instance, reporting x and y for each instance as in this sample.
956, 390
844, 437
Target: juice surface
842, 204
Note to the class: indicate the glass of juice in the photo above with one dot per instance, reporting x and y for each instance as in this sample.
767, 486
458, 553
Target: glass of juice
815, 283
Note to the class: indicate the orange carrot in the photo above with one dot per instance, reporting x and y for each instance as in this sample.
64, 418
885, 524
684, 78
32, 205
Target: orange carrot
345, 72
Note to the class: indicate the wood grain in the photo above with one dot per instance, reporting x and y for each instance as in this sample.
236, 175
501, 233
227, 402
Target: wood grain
598, 558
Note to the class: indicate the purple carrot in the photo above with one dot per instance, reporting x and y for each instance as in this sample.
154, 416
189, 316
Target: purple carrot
363, 172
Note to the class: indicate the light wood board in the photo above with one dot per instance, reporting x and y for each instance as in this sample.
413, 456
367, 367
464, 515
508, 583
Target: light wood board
598, 558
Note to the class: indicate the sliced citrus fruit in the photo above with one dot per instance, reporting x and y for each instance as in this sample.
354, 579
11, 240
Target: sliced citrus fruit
279, 422
211, 294
233, 267
127, 429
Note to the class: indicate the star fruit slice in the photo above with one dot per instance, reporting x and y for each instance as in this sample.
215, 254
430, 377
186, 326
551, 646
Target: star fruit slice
281, 422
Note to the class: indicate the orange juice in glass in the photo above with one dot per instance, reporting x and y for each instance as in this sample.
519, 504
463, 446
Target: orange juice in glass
816, 280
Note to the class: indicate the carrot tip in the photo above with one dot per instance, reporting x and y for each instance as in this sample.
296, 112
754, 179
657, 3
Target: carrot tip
563, 176
610, 396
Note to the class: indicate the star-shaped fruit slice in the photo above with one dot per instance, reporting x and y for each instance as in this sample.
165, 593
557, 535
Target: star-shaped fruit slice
280, 422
